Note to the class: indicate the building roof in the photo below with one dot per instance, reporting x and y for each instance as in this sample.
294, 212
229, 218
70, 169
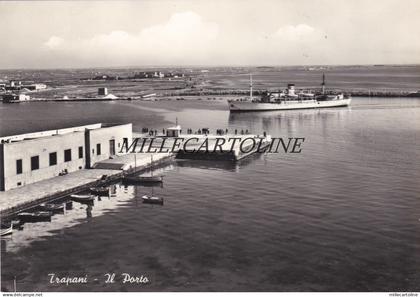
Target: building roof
174, 128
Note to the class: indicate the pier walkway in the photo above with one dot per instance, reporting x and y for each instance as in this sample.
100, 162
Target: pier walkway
25, 197
18, 196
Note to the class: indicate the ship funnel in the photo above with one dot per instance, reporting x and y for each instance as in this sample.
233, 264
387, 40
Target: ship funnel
291, 89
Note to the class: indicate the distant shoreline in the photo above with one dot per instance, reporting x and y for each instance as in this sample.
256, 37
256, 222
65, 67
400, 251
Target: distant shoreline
219, 95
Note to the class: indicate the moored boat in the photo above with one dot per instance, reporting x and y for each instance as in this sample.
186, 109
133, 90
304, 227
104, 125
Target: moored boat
37, 216
144, 179
7, 231
100, 191
55, 208
82, 198
152, 199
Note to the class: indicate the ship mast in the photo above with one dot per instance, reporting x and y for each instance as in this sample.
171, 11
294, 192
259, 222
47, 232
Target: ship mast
250, 86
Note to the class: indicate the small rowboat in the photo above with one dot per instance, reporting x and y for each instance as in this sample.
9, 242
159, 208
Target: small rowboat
37, 216
100, 191
55, 208
7, 231
152, 199
82, 198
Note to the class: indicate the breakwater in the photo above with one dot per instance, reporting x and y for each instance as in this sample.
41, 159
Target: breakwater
355, 93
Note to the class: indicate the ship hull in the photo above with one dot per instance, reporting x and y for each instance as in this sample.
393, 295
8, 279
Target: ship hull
242, 106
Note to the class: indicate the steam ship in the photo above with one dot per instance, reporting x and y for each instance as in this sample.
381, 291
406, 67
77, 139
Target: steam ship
289, 99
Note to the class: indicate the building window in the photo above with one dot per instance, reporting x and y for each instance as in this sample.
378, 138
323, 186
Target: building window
19, 166
67, 155
80, 152
35, 163
98, 149
53, 159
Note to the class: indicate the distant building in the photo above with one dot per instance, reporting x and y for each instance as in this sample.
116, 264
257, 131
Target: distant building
291, 90
15, 98
102, 91
15, 83
34, 87
18, 85
32, 157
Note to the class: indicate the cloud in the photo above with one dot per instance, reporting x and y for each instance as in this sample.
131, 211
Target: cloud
54, 42
291, 44
298, 33
184, 35
186, 39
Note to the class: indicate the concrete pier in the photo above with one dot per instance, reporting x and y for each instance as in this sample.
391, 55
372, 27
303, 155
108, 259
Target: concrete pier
228, 150
108, 171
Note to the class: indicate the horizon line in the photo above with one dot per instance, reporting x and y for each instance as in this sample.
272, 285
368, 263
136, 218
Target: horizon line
208, 66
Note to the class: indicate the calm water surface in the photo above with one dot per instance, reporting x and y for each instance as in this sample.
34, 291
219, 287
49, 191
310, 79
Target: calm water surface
344, 215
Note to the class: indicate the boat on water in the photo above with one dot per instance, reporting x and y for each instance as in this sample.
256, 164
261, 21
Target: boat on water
145, 179
82, 198
37, 216
100, 191
414, 94
151, 199
7, 231
289, 99
55, 208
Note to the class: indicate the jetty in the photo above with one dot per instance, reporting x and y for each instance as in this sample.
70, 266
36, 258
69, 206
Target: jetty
246, 145
202, 145
55, 188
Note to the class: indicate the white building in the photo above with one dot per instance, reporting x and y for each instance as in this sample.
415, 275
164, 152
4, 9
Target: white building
32, 157
35, 87
12, 98
102, 91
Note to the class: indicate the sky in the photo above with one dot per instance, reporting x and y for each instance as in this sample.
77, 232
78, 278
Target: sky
74, 34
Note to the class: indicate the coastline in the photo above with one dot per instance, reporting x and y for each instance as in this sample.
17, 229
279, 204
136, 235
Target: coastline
222, 95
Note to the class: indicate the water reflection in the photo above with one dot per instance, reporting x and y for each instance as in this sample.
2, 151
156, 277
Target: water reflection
208, 164
285, 121
75, 213
4, 244
89, 211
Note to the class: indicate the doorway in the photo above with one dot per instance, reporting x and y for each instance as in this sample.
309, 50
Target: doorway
112, 147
